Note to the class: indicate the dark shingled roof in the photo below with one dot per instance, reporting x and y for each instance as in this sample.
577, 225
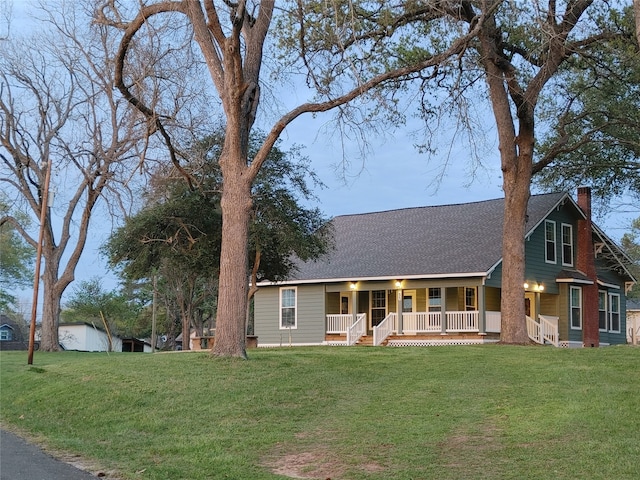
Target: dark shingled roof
441, 240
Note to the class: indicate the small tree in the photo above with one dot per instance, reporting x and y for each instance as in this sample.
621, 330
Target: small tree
631, 244
178, 234
90, 302
16, 259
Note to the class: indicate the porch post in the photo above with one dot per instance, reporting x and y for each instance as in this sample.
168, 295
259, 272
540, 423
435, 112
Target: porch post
354, 305
482, 314
399, 305
443, 311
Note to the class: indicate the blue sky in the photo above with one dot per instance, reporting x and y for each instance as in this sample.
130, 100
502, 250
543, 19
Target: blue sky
392, 175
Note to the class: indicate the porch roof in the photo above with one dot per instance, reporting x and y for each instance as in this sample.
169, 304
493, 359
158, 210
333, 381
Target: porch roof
448, 241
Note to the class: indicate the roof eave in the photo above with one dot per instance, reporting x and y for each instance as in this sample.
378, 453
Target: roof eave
374, 279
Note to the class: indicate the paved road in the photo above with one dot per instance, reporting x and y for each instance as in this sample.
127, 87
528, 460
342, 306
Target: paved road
20, 460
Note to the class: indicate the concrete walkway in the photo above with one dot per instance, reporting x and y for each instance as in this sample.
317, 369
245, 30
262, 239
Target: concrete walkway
20, 460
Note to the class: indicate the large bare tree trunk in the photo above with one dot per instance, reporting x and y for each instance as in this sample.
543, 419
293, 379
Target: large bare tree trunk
516, 156
49, 341
517, 178
234, 274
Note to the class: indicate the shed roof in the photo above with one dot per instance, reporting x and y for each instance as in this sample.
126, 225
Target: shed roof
449, 240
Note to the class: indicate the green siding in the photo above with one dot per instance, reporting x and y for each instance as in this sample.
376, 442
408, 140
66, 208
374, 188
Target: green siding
563, 314
537, 270
310, 315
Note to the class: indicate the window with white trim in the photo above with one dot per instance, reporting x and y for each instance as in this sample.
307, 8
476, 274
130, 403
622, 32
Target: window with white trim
602, 311
435, 299
470, 304
5, 334
550, 241
378, 306
567, 244
614, 312
576, 308
288, 307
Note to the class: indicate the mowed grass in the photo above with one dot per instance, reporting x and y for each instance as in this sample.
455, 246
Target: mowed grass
340, 413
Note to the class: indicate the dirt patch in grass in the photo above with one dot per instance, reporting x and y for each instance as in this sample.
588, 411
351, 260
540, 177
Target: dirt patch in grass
466, 449
309, 465
315, 461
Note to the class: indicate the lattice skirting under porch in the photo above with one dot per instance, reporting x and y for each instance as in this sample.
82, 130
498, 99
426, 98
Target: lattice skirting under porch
439, 343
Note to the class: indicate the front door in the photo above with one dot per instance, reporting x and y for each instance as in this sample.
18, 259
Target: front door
409, 301
378, 308
530, 305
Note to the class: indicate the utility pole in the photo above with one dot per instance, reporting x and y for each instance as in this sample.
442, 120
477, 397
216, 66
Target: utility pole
153, 314
36, 276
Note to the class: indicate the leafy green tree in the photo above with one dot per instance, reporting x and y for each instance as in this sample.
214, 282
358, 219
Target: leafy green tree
178, 234
595, 140
16, 259
631, 244
89, 302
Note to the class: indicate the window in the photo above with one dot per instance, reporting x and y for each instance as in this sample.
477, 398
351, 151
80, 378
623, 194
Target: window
288, 308
378, 306
344, 305
5, 334
602, 310
576, 308
435, 300
614, 312
470, 299
567, 245
550, 241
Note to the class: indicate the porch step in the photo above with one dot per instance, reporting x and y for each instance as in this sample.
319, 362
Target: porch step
365, 341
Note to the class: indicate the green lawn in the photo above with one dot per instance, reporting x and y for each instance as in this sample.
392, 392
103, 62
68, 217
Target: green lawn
341, 413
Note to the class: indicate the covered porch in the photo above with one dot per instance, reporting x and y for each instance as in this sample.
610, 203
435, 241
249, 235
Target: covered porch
426, 312
428, 328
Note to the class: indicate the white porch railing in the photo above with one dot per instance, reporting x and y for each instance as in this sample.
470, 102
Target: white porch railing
545, 330
462, 321
339, 323
533, 330
549, 329
419, 322
384, 329
494, 322
357, 330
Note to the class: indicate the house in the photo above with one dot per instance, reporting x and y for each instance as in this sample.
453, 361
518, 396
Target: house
432, 276
633, 321
13, 335
87, 337
132, 344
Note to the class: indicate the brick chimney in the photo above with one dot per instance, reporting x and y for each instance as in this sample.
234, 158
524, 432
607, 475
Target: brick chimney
586, 263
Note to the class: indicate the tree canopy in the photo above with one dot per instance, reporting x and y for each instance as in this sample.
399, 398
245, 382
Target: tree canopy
595, 139
177, 235
16, 259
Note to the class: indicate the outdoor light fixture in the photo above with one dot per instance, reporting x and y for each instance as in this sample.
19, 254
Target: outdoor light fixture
398, 283
540, 288
353, 285
526, 285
